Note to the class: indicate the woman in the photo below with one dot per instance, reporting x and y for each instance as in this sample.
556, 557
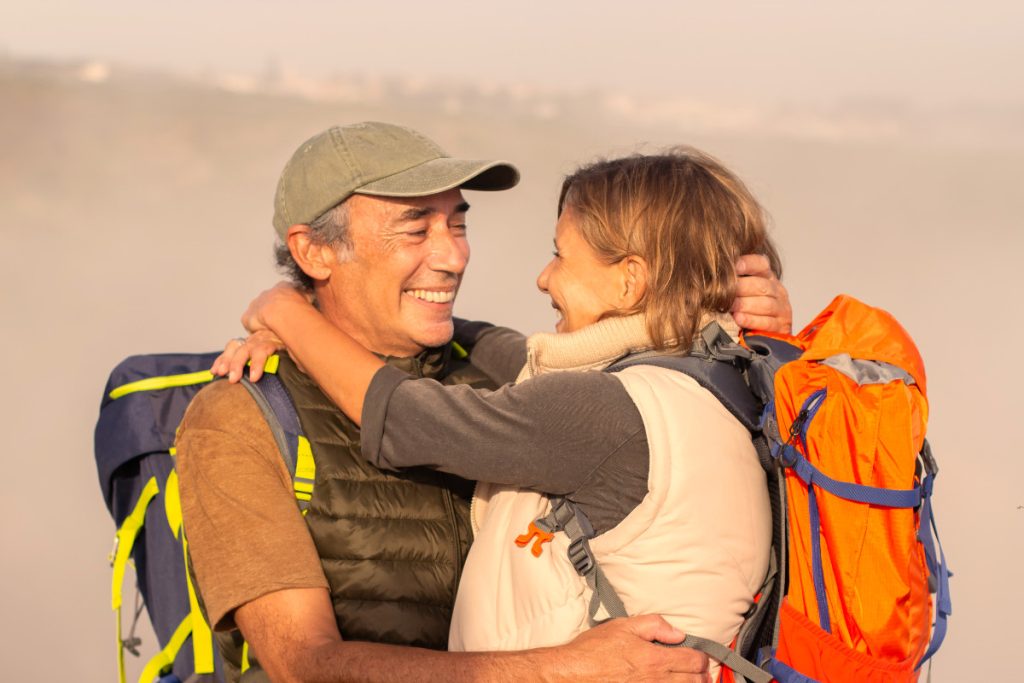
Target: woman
645, 247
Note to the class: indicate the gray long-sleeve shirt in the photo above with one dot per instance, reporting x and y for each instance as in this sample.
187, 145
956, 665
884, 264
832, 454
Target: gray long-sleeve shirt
576, 434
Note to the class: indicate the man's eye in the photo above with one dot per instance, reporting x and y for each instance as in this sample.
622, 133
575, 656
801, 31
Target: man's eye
460, 227
556, 254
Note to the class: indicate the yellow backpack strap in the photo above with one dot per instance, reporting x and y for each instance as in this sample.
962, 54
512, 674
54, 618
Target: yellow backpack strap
124, 541
202, 635
271, 365
182, 380
305, 474
162, 382
458, 351
172, 503
162, 662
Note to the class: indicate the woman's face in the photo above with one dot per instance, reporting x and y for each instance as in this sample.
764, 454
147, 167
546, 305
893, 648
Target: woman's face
582, 287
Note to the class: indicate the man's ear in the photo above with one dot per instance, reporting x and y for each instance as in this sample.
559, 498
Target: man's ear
634, 280
314, 259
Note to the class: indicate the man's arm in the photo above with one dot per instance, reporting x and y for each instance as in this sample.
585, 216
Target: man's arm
294, 635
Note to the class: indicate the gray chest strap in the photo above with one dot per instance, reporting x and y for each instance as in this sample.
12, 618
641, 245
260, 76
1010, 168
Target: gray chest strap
566, 516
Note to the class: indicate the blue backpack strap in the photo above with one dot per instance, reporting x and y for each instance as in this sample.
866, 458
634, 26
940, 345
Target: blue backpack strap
724, 380
935, 558
279, 411
717, 363
769, 354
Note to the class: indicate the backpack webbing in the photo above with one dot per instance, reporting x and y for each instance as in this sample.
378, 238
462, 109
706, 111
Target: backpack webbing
277, 408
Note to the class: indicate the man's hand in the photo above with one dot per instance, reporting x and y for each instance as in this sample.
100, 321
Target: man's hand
629, 650
762, 303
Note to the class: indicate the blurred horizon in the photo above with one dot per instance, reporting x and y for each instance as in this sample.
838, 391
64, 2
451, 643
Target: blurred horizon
965, 125
925, 53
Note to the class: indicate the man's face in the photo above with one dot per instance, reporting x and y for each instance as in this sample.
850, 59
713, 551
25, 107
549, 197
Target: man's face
396, 290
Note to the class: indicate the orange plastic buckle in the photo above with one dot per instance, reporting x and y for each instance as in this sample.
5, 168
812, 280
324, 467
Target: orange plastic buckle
534, 532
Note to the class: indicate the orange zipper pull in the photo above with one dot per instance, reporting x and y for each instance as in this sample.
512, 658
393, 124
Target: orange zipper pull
534, 532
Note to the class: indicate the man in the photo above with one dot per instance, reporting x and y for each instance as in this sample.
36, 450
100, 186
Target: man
373, 221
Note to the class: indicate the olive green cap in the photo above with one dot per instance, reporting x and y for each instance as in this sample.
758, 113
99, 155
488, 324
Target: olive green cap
378, 159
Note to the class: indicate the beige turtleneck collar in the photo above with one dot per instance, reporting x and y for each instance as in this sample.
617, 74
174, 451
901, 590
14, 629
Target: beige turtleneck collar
599, 345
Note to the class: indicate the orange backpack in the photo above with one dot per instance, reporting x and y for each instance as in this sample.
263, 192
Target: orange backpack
845, 419
838, 416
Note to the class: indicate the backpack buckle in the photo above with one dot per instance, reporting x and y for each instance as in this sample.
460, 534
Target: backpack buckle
714, 343
930, 466
581, 557
113, 549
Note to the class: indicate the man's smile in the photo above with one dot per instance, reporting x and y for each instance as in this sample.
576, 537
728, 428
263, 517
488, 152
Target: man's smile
433, 296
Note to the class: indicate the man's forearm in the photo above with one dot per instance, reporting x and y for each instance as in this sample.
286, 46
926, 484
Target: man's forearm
359, 662
620, 650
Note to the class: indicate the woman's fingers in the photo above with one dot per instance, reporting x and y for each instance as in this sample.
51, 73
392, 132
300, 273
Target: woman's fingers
223, 361
762, 302
261, 346
238, 361
252, 351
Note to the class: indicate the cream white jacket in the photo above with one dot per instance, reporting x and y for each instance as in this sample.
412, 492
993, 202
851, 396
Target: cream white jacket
695, 550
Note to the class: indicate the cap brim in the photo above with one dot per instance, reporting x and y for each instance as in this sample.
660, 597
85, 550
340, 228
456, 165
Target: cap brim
438, 175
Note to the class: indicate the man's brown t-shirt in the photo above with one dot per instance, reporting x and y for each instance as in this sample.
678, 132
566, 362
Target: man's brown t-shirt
245, 533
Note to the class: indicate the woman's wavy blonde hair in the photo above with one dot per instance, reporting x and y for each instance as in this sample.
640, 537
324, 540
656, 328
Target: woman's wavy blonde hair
687, 216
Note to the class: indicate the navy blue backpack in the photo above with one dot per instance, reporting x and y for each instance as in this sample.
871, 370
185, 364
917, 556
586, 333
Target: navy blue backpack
142, 406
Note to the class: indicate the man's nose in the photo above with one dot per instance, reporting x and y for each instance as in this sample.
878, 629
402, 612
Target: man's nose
448, 252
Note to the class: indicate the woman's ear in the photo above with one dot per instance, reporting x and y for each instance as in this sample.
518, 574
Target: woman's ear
634, 281
314, 259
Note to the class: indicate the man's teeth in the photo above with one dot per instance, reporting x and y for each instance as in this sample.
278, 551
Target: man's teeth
432, 296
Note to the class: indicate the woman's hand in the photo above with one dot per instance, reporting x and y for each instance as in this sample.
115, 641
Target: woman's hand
254, 350
263, 342
261, 311
762, 303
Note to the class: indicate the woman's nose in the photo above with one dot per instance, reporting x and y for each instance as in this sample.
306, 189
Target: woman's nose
542, 279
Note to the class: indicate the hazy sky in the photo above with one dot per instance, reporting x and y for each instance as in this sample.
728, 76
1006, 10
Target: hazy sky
929, 53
